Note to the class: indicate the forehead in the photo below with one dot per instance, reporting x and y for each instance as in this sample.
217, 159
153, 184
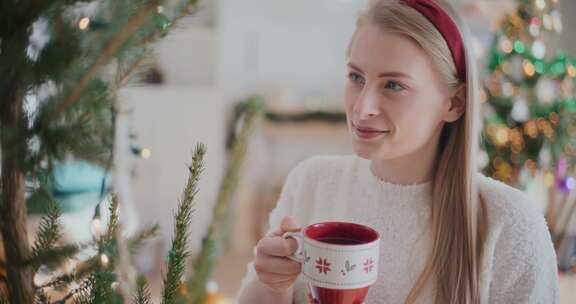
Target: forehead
374, 51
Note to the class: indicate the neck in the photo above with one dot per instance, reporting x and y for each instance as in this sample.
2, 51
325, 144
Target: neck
414, 168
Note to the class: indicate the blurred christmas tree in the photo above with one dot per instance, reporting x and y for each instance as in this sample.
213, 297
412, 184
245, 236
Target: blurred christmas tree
530, 113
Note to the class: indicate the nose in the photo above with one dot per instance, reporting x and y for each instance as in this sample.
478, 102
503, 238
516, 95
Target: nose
366, 106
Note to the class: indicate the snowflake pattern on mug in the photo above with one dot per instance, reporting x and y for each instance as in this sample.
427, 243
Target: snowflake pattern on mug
368, 265
323, 266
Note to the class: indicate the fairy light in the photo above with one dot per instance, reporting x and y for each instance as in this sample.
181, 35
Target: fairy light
502, 136
146, 153
104, 260
529, 68
506, 45
96, 227
84, 23
570, 183
549, 179
539, 49
571, 70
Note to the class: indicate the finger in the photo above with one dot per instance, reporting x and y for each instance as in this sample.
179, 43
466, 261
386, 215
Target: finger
289, 224
277, 265
275, 232
276, 279
277, 246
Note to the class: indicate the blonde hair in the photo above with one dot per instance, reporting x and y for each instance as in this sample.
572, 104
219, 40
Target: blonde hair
458, 215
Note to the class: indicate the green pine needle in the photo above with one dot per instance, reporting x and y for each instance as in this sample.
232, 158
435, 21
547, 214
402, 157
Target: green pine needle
42, 297
113, 220
204, 263
50, 229
178, 252
135, 242
143, 295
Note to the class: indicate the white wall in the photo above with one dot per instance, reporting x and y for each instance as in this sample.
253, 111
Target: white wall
170, 121
294, 45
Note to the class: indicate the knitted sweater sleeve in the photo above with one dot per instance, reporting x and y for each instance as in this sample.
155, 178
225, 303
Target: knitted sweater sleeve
524, 269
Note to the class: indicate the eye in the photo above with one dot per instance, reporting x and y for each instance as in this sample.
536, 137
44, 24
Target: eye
356, 78
394, 86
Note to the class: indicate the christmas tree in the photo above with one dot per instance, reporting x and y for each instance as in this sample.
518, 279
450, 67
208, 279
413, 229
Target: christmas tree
530, 108
62, 63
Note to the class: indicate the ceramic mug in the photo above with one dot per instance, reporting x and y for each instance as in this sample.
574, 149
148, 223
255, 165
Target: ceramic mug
339, 261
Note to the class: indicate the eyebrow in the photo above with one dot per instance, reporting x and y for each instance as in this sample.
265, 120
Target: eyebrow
384, 74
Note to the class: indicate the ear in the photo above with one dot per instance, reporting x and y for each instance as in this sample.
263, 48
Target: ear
457, 104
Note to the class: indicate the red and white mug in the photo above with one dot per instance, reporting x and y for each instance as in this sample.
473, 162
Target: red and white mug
339, 260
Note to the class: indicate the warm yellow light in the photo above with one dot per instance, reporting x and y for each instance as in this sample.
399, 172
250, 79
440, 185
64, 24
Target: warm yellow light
145, 153
571, 71
529, 68
84, 23
506, 46
502, 136
549, 179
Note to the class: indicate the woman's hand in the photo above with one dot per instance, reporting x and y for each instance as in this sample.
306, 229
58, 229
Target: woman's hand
274, 269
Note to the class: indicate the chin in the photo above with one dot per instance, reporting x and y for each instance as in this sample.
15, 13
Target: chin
371, 153
364, 152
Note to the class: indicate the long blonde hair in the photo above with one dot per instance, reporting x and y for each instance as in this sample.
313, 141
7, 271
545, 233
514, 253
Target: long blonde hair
457, 212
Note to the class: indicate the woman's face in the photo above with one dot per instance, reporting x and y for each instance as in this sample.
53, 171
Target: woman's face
393, 88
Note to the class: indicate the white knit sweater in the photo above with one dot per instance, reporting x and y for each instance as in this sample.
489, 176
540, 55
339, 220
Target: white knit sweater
519, 264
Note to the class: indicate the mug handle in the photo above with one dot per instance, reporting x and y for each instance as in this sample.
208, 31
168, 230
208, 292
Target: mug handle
298, 256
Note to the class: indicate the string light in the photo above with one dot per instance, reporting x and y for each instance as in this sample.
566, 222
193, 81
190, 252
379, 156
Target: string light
84, 23
570, 183
538, 49
549, 179
502, 136
506, 45
519, 47
531, 128
571, 70
548, 23
96, 227
146, 153
104, 260
529, 68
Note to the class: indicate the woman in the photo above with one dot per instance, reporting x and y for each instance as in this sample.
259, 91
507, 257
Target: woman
448, 234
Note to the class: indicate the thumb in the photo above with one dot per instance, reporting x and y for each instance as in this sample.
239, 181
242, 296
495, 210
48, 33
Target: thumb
289, 224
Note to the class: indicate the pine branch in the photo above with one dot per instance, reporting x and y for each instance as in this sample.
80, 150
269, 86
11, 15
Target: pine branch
135, 242
81, 294
107, 54
53, 256
110, 234
206, 259
80, 272
142, 295
178, 252
41, 297
49, 232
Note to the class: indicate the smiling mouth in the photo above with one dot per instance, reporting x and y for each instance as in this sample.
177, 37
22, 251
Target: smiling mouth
369, 134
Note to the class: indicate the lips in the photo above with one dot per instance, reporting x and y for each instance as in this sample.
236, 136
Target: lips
369, 129
367, 133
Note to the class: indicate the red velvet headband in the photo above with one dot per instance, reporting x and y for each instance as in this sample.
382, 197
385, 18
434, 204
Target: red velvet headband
446, 26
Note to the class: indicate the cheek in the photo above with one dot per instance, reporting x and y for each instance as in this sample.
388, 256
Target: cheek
350, 96
418, 120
